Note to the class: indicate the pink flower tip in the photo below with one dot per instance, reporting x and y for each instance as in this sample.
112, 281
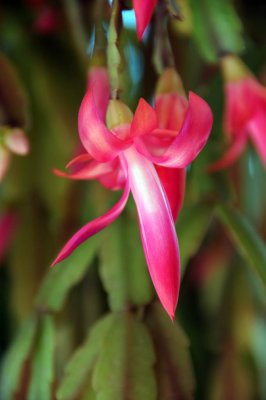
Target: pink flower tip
16, 141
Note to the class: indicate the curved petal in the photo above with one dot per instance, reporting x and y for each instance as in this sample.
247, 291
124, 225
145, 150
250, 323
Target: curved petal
144, 120
189, 141
174, 183
257, 129
170, 109
143, 11
230, 155
99, 141
98, 82
157, 229
237, 112
93, 170
93, 227
77, 161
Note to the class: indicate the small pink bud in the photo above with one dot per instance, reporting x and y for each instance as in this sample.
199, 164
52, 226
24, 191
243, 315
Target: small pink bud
17, 142
170, 82
234, 69
4, 162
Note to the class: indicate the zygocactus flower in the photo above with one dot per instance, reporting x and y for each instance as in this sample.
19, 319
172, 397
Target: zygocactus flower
143, 11
245, 112
12, 140
122, 152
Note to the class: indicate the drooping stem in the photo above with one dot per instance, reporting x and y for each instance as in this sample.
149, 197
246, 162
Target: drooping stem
99, 50
113, 55
162, 55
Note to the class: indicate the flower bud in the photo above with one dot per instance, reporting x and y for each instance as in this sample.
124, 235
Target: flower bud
170, 82
234, 69
4, 162
118, 114
17, 142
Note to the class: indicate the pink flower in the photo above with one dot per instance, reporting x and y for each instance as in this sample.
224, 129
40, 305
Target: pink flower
143, 11
245, 112
122, 151
13, 141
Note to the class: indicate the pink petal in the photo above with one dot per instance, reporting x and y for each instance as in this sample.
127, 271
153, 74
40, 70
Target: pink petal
110, 174
98, 82
257, 129
100, 142
91, 170
231, 155
144, 121
171, 109
93, 227
189, 141
157, 229
143, 11
174, 183
81, 159
239, 106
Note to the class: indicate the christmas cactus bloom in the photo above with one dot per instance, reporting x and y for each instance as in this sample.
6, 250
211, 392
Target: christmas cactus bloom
245, 112
143, 11
144, 154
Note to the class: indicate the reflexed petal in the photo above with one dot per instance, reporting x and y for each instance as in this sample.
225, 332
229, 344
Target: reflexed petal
157, 229
174, 183
144, 121
100, 142
79, 160
110, 174
189, 141
143, 11
237, 110
98, 82
93, 227
92, 170
231, 155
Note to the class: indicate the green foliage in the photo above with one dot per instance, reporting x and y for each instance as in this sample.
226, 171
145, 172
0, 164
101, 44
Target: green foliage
191, 227
119, 352
124, 368
174, 371
245, 237
217, 28
15, 358
64, 276
42, 367
78, 369
123, 267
